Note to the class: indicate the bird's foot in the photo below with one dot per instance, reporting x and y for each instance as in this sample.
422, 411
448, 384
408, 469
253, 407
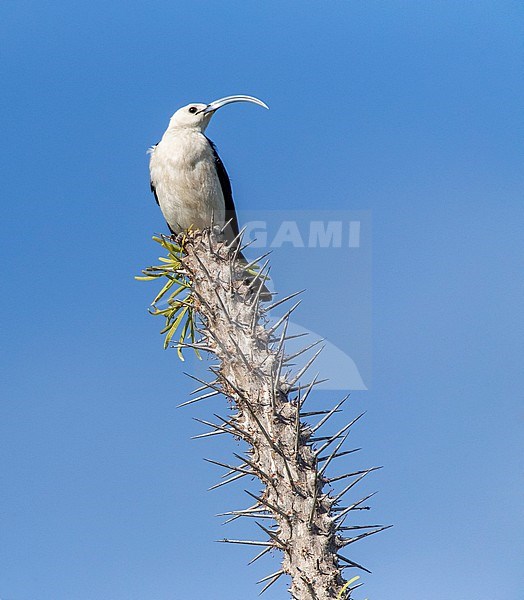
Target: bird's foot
178, 238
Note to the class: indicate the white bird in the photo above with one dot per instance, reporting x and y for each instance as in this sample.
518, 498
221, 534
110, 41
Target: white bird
188, 179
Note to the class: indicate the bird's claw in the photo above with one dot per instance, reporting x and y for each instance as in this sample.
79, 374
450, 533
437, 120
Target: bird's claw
178, 238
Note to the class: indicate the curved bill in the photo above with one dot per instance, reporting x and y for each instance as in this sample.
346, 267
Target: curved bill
229, 100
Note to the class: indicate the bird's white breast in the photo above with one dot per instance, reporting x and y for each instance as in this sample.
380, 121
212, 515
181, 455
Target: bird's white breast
182, 169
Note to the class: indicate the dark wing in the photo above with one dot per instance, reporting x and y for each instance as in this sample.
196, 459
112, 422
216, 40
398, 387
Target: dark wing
153, 189
231, 215
154, 192
232, 231
150, 151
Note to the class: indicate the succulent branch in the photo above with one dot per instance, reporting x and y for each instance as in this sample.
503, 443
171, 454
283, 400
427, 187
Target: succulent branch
210, 295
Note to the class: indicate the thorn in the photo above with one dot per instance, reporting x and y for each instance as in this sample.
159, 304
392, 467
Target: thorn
363, 535
266, 434
297, 427
272, 390
260, 555
314, 505
333, 454
282, 339
226, 481
233, 258
270, 576
275, 577
303, 387
334, 437
214, 426
303, 350
226, 466
283, 318
208, 395
314, 413
268, 504
323, 438
339, 454
288, 471
247, 542
251, 264
237, 391
309, 587
279, 302
227, 474
308, 391
260, 276
255, 516
239, 351
255, 305
351, 563
225, 226
236, 241
251, 509
240, 432
333, 479
254, 467
209, 434
212, 236
244, 246
296, 336
231, 277
306, 367
223, 306
205, 384
273, 536
353, 506
351, 527
330, 413
278, 357
351, 485
194, 347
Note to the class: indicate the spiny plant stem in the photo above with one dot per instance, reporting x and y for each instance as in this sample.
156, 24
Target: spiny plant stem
309, 524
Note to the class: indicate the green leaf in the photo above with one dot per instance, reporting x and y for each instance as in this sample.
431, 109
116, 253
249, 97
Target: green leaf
183, 335
174, 327
147, 277
180, 289
164, 290
180, 309
192, 336
345, 587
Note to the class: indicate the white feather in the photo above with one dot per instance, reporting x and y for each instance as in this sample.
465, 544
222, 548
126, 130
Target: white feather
182, 169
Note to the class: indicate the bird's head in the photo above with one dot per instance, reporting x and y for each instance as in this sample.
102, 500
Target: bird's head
197, 116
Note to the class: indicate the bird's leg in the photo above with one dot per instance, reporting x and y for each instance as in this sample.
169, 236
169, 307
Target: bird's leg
180, 238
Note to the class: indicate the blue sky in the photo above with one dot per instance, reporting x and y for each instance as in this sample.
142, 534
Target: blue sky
408, 111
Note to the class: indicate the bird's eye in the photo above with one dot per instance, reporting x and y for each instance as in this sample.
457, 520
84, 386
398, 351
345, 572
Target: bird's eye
193, 109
